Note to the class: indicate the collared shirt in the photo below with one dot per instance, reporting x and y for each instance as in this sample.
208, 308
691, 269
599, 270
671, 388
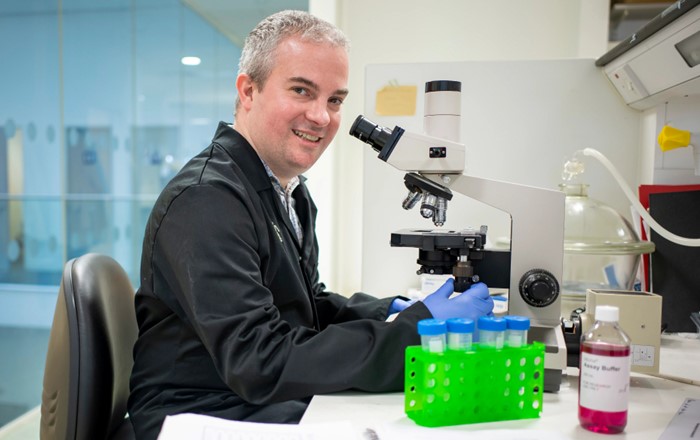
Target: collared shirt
287, 200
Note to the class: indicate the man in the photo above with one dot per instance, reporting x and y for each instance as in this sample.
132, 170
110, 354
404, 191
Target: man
233, 321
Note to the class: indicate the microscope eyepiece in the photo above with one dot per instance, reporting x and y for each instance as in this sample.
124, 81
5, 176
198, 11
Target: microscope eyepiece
443, 86
369, 132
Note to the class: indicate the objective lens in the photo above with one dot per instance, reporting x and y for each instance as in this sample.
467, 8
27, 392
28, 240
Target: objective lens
427, 208
369, 132
411, 200
440, 216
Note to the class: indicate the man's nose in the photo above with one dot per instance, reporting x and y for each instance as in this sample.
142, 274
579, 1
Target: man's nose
318, 113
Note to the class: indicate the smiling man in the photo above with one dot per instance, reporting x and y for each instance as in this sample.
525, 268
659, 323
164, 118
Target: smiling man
233, 320
292, 114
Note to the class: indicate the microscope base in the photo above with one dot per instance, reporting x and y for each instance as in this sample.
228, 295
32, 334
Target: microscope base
554, 354
552, 380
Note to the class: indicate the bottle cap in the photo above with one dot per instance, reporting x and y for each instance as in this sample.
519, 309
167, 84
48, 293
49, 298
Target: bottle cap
431, 327
515, 322
607, 313
460, 325
491, 323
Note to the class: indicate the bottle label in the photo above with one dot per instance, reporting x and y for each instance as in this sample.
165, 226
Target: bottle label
604, 382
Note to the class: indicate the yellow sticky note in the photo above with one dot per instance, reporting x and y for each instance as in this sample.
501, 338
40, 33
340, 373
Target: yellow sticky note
396, 101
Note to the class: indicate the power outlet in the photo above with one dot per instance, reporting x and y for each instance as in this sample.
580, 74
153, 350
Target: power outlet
627, 84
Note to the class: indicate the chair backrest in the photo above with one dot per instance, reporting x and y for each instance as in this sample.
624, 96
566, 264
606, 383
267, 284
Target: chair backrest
89, 360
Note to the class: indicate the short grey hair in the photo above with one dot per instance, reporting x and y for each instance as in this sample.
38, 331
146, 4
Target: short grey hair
257, 57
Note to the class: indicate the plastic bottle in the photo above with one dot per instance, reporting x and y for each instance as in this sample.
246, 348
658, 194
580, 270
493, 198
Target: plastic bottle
433, 335
516, 330
460, 333
604, 374
491, 332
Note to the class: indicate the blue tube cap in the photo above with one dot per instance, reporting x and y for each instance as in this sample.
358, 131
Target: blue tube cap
431, 327
492, 324
515, 322
460, 325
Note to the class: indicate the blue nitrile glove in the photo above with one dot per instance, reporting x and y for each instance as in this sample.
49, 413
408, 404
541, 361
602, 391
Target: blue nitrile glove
399, 305
472, 303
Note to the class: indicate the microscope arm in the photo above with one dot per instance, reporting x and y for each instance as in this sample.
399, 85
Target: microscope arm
537, 234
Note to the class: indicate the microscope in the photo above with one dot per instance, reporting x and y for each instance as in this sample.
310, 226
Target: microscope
530, 270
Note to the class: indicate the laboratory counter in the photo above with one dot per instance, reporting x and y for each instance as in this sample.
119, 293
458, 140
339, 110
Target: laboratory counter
654, 401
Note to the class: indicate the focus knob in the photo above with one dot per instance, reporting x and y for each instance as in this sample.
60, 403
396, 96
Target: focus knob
539, 287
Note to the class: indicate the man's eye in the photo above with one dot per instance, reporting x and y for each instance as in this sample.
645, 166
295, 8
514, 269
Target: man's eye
336, 101
300, 90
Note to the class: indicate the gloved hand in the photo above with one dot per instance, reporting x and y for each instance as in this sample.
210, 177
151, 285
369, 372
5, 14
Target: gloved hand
472, 303
399, 305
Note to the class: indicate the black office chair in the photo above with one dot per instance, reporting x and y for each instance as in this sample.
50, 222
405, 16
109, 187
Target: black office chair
89, 360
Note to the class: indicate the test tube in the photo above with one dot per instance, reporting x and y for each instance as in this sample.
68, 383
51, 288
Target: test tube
491, 332
433, 335
516, 330
460, 334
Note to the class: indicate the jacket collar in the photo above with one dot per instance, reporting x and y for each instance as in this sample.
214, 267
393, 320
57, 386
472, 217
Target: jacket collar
243, 153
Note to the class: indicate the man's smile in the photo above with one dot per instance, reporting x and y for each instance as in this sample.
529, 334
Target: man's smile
307, 136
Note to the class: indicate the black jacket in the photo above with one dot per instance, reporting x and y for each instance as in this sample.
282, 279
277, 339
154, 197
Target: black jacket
233, 321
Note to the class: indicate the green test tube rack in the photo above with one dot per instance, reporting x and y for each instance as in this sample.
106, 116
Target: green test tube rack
484, 385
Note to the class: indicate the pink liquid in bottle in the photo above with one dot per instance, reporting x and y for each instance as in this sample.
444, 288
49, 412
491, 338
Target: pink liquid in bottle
606, 422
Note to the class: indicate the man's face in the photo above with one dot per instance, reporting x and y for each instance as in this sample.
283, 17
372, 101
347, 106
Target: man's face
293, 118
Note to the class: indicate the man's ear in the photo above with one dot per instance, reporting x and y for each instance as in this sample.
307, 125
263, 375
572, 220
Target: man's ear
245, 87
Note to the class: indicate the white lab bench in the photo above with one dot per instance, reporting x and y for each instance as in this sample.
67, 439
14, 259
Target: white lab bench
654, 401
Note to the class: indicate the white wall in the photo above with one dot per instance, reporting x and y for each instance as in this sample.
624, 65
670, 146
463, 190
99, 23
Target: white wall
409, 31
321, 178
674, 167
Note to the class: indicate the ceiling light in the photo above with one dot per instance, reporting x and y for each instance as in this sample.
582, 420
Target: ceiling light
190, 61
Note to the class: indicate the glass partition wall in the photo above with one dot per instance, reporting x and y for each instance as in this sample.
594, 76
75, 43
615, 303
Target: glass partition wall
101, 102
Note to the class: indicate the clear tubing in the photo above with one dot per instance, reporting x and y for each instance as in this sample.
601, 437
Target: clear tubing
684, 241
